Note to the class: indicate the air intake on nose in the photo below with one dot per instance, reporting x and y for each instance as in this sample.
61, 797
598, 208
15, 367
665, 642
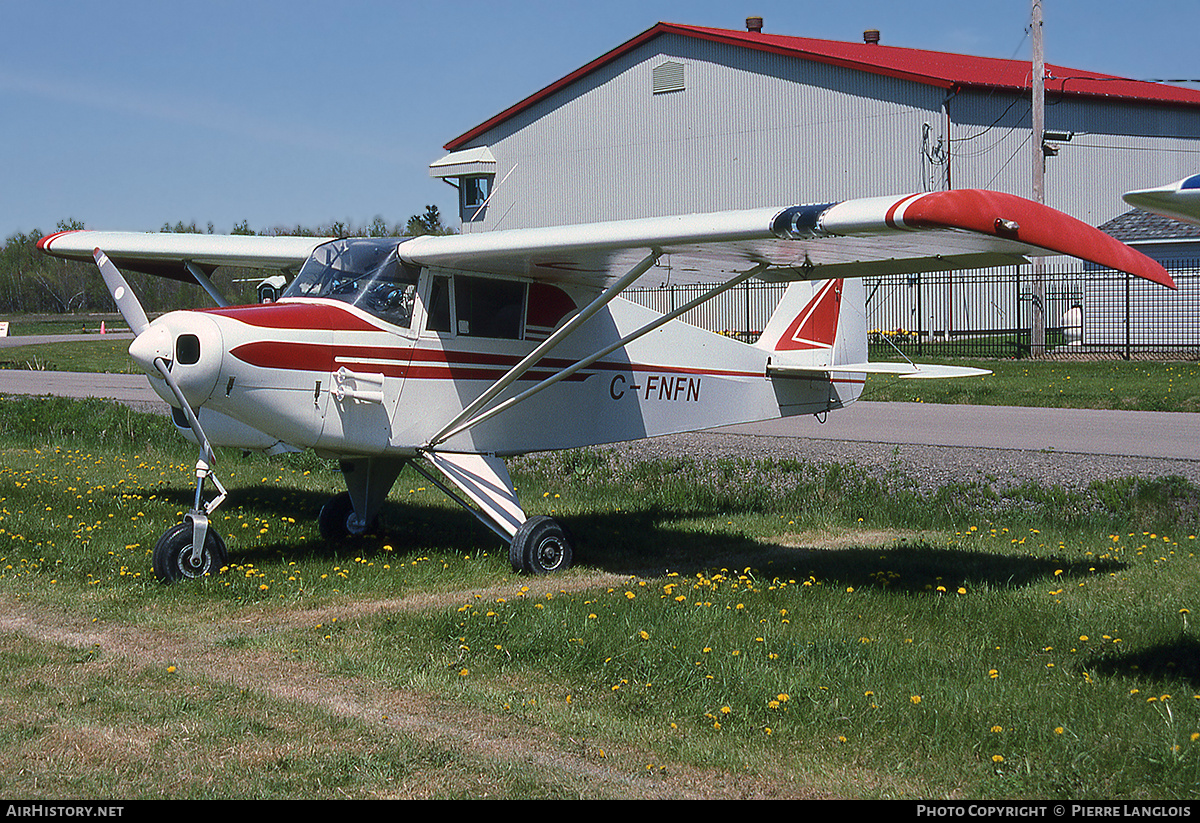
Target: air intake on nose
187, 349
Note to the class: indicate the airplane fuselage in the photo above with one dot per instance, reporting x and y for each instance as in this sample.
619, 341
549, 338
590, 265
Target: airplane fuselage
320, 373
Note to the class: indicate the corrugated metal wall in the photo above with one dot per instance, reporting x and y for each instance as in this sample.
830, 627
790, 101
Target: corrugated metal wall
740, 128
1116, 147
748, 129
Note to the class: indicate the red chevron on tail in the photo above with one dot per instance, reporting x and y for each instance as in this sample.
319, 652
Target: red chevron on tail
815, 327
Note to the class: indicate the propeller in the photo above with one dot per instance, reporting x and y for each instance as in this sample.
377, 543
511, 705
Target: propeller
126, 300
131, 309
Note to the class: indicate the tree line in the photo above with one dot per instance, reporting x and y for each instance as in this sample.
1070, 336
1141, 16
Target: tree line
34, 283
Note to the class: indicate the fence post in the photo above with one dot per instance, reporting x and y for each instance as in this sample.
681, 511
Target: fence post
920, 316
747, 329
1128, 346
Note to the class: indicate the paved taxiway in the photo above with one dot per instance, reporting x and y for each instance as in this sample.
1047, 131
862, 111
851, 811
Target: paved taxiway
1164, 435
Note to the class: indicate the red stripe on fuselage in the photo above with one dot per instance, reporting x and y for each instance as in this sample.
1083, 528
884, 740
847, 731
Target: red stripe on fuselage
297, 316
433, 364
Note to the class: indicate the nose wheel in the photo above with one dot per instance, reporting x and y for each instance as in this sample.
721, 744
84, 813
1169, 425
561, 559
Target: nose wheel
191, 549
175, 560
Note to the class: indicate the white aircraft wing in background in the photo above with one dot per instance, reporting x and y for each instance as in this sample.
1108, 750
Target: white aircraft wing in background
1179, 200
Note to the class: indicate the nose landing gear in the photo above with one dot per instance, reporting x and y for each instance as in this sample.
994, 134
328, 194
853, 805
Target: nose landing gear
190, 549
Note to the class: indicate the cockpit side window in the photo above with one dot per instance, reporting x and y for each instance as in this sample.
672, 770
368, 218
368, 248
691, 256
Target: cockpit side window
439, 305
365, 273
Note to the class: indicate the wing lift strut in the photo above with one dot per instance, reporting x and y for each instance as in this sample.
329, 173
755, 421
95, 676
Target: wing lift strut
483, 478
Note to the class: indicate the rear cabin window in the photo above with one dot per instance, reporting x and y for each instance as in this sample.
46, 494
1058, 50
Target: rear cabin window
488, 308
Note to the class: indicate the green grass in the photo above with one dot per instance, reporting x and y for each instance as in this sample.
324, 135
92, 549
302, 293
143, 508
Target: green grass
1107, 384
28, 324
777, 628
99, 355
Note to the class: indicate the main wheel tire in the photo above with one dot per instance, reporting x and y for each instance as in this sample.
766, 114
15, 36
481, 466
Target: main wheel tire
541, 545
338, 521
173, 554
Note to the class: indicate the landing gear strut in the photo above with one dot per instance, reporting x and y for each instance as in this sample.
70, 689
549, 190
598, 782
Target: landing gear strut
355, 512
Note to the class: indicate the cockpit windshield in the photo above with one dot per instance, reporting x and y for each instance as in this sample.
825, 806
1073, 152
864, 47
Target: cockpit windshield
362, 272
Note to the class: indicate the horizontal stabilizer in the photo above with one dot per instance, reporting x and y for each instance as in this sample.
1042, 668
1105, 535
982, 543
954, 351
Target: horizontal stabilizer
908, 371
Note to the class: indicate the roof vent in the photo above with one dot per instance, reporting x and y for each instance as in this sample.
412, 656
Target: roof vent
871, 37
754, 24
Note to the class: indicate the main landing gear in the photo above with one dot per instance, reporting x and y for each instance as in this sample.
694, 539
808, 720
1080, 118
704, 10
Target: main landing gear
338, 520
537, 545
541, 546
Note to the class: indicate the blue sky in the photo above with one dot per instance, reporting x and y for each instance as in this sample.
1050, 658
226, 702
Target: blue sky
129, 114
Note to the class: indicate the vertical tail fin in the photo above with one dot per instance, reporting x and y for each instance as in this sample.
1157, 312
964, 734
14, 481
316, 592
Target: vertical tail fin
820, 323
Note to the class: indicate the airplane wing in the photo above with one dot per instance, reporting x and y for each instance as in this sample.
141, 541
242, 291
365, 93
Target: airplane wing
166, 254
1179, 200
934, 231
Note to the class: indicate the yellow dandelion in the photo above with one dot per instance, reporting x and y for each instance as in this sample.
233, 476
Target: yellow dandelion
916, 698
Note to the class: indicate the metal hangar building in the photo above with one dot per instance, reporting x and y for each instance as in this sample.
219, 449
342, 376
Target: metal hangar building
682, 119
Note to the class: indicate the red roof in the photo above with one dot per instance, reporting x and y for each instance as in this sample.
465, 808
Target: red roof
934, 68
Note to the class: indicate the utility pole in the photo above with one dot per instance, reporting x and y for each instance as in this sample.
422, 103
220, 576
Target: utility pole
1037, 334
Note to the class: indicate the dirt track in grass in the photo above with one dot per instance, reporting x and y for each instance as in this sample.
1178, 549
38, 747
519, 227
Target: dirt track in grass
586, 768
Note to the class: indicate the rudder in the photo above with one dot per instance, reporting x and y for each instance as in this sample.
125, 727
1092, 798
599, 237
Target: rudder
819, 323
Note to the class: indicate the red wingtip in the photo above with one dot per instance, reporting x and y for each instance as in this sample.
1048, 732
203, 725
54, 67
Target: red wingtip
996, 213
43, 243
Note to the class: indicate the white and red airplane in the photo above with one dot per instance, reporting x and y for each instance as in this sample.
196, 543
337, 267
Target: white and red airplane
453, 352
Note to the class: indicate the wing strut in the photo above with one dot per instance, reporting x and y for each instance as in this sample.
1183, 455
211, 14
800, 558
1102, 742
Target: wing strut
206, 283
546, 345
607, 350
